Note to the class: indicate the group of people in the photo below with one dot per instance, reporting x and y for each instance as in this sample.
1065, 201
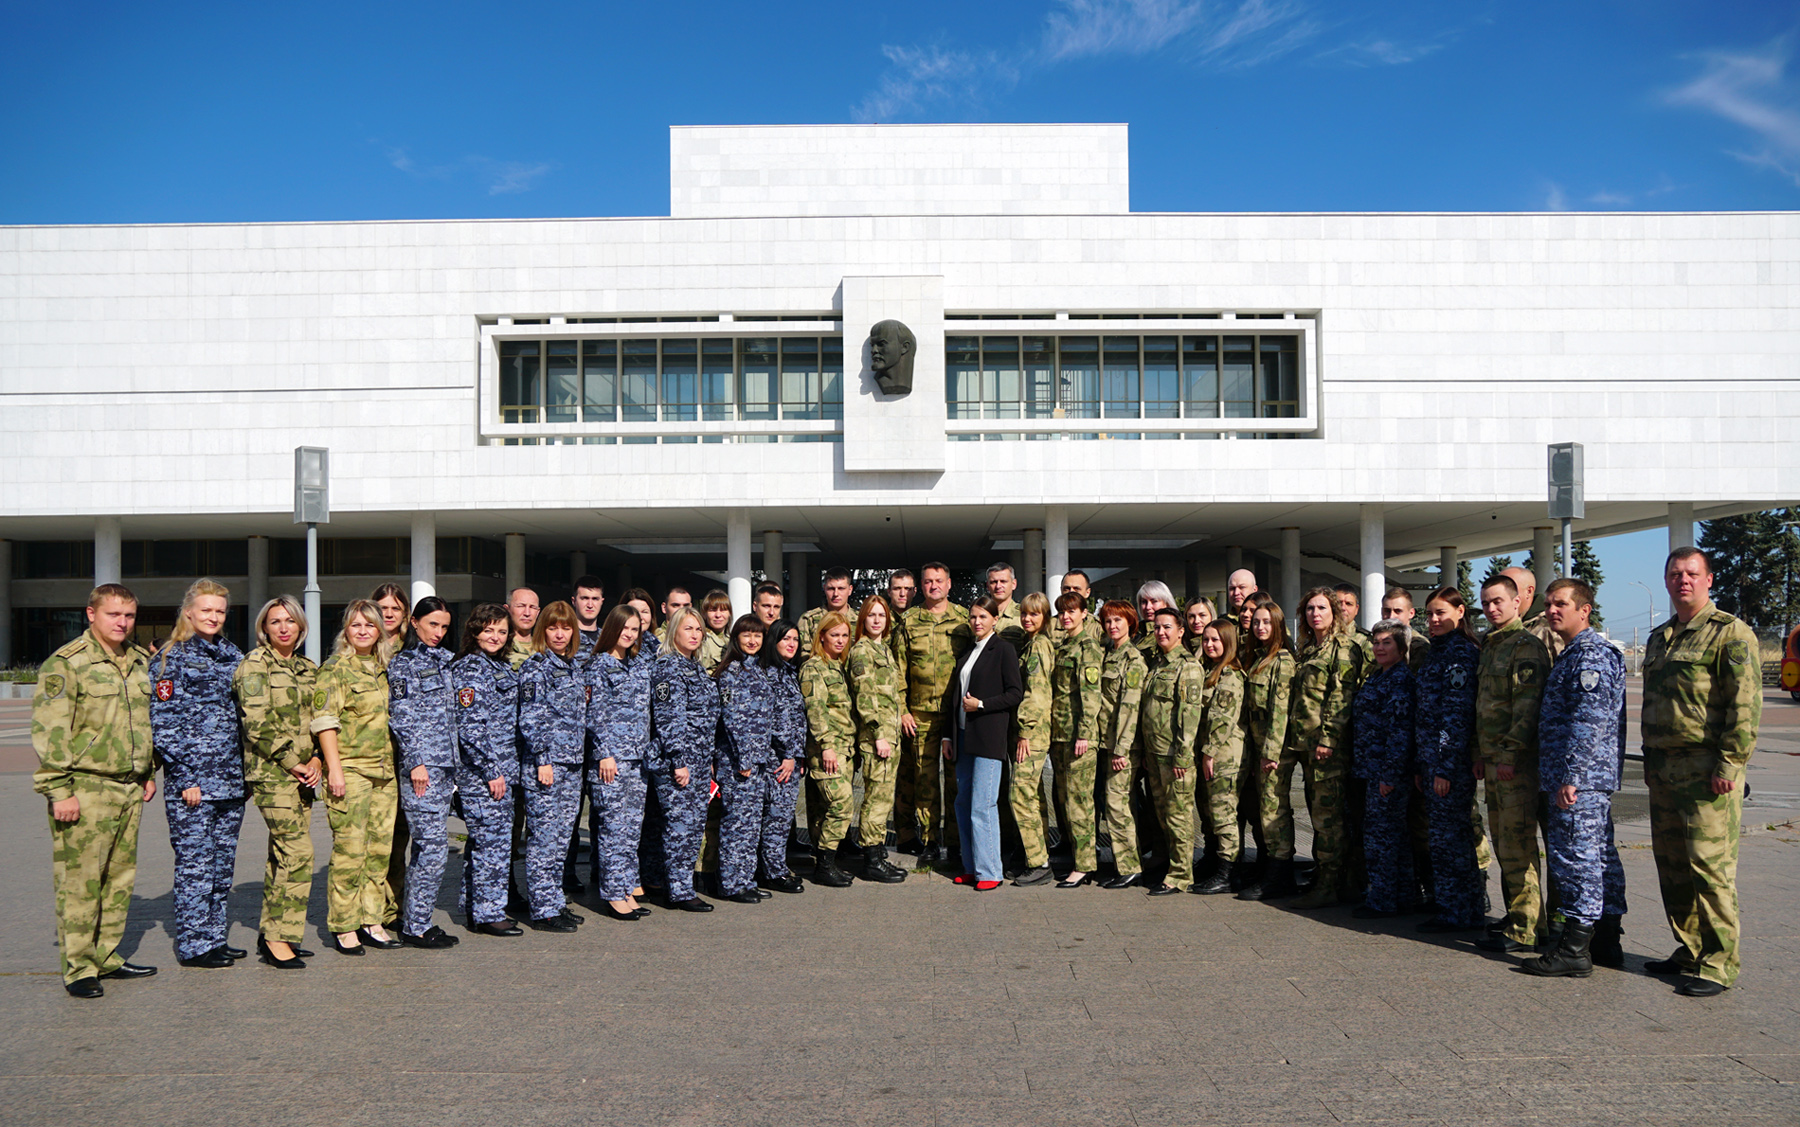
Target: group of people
1176, 729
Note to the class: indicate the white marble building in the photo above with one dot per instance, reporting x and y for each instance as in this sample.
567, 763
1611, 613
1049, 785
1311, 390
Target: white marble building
1317, 394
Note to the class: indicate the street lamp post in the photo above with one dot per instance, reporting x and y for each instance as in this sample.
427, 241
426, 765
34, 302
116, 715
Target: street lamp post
312, 507
1649, 619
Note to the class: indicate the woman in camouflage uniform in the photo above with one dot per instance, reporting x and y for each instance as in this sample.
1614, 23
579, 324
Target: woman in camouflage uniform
1221, 757
780, 646
274, 687
715, 608
1327, 675
877, 687
1199, 614
1121, 688
831, 736
1075, 731
1031, 738
1269, 770
618, 725
350, 721
553, 700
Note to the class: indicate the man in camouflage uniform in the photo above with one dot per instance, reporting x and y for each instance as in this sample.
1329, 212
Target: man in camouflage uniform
1702, 709
1535, 616
90, 727
837, 598
1001, 586
1169, 721
1509, 687
933, 636
1579, 761
1075, 581
521, 613
1239, 586
1075, 725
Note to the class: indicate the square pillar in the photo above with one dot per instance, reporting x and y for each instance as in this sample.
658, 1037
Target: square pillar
1681, 524
737, 561
1374, 562
109, 551
424, 556
1056, 549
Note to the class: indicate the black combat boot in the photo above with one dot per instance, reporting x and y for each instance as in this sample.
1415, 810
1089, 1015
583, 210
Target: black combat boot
826, 871
1216, 885
1570, 959
876, 867
1278, 885
1244, 874
1608, 948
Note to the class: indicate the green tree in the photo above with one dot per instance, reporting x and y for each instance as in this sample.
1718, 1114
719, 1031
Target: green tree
1497, 565
1465, 581
1587, 569
1751, 557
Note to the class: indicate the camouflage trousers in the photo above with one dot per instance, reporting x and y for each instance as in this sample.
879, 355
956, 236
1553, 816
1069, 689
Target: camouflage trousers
1112, 798
1174, 800
620, 804
1219, 797
783, 798
1513, 816
1275, 801
829, 795
1326, 786
362, 835
1073, 785
926, 786
426, 817
754, 825
1694, 837
668, 857
286, 808
1457, 876
1579, 841
879, 776
1025, 798
205, 839
487, 858
1387, 848
549, 816
93, 864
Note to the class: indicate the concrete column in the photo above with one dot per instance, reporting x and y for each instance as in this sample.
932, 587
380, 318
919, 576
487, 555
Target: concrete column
796, 594
1447, 566
1288, 594
1681, 525
424, 556
6, 605
1234, 558
577, 568
1374, 563
1032, 577
1191, 581
515, 562
1543, 557
1056, 549
1016, 561
772, 559
258, 592
737, 560
109, 551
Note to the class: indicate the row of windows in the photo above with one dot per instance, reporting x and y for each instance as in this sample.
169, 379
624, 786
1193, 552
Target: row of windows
185, 559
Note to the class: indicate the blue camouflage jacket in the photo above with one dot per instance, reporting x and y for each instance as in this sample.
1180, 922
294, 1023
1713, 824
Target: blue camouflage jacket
553, 701
1381, 726
790, 712
487, 717
1580, 718
194, 718
648, 645
684, 714
751, 732
618, 714
422, 707
1444, 732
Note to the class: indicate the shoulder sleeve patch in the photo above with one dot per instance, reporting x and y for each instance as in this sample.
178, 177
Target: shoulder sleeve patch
165, 690
664, 691
256, 684
1738, 652
466, 696
54, 686
319, 698
528, 692
1091, 675
1590, 680
1134, 677
397, 688
1526, 673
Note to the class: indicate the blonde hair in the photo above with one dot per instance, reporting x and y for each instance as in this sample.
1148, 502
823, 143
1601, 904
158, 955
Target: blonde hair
292, 606
678, 616
1036, 603
184, 628
832, 619
366, 610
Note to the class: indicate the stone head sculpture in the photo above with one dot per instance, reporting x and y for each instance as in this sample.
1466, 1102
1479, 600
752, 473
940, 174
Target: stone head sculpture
891, 348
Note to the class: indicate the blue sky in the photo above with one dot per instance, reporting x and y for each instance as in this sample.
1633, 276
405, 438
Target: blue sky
120, 112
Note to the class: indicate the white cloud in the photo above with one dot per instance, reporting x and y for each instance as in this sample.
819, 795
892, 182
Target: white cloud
921, 76
499, 177
1555, 199
1608, 199
1376, 52
1108, 27
511, 177
1750, 89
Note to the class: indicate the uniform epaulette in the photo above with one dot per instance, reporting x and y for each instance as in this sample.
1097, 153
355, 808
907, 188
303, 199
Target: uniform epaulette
70, 649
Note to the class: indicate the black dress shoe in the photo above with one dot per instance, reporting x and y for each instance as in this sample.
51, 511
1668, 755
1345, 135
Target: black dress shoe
434, 938
762, 893
1502, 944
301, 952
268, 956
346, 949
693, 904
743, 896
1124, 881
368, 940
786, 882
503, 929
572, 916
1165, 890
85, 988
234, 952
551, 923
1032, 876
133, 970
640, 911
1678, 963
1084, 878
213, 959
1216, 885
1694, 987
613, 913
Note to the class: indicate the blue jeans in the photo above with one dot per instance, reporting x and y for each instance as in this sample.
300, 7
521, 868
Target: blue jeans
978, 815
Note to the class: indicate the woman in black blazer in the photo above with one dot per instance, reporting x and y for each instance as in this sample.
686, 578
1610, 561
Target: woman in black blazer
984, 691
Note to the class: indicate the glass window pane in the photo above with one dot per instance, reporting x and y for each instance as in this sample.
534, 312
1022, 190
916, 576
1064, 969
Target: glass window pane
1280, 385
1161, 383
680, 383
800, 398
1000, 389
1040, 378
599, 381
716, 378
1119, 378
519, 396
1237, 380
831, 364
1079, 358
562, 380
637, 384
756, 385
1200, 377
962, 378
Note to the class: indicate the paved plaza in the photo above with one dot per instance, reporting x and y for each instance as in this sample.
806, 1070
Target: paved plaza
917, 1005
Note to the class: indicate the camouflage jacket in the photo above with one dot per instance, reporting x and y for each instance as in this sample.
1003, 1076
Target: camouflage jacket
1539, 627
1075, 689
829, 722
1326, 678
712, 649
1222, 728
1037, 666
1581, 721
790, 710
194, 717
684, 714
809, 624
351, 696
422, 707
1509, 684
1121, 689
932, 644
553, 703
1172, 707
90, 715
1444, 725
1011, 625
275, 706
1382, 726
517, 651
618, 712
876, 687
1267, 693
1703, 689
750, 732
487, 718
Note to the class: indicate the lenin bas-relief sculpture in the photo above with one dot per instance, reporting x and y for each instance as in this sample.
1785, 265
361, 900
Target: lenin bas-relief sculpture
891, 347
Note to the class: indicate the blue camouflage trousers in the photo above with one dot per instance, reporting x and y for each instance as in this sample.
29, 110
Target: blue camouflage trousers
783, 798
205, 838
1456, 876
620, 808
550, 813
425, 818
755, 822
487, 860
1387, 848
669, 856
1584, 861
